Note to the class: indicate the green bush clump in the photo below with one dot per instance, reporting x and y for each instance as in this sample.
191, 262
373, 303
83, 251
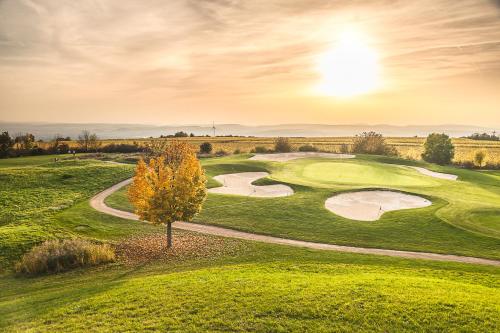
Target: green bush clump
307, 148
206, 148
260, 150
438, 149
59, 256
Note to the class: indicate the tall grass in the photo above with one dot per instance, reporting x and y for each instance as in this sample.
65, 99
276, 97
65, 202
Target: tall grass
58, 256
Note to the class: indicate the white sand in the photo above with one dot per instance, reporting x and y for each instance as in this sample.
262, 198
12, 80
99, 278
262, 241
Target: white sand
370, 205
435, 174
241, 184
283, 157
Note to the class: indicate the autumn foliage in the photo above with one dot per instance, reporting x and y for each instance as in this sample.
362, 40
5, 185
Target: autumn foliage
170, 188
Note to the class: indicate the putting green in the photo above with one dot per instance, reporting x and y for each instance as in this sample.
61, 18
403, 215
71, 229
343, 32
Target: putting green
352, 173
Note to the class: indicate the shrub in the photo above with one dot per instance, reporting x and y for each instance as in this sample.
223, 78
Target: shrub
206, 148
237, 151
261, 150
121, 148
58, 256
438, 149
372, 143
282, 145
479, 158
345, 149
308, 148
221, 152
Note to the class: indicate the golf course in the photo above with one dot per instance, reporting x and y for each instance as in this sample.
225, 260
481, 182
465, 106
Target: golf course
215, 283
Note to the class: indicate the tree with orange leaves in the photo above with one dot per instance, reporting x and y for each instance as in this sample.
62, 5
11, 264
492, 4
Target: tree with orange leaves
171, 188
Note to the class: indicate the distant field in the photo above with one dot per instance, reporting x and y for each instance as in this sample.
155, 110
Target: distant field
407, 147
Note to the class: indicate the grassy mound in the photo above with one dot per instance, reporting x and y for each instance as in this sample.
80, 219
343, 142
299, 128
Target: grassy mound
36, 190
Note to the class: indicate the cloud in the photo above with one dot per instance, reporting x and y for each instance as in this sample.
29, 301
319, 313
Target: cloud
217, 48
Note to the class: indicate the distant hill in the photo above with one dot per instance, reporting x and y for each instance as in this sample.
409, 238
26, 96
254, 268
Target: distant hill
117, 131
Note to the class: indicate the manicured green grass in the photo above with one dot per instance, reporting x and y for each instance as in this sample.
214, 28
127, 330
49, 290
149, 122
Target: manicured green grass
440, 228
321, 172
33, 197
265, 288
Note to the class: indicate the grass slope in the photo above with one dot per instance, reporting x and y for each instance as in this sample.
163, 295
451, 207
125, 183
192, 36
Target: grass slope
33, 198
266, 288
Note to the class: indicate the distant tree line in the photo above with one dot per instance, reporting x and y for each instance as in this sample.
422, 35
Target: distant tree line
484, 136
25, 144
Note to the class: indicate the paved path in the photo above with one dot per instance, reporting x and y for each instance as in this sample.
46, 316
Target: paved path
97, 202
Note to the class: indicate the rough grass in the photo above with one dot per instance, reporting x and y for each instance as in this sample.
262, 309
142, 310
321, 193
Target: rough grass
59, 256
32, 197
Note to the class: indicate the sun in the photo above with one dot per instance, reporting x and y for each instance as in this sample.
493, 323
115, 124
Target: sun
350, 68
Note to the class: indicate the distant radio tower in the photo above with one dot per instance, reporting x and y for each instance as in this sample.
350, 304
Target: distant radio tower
213, 127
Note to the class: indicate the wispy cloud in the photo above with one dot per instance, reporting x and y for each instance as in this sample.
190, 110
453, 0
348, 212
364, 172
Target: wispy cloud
164, 50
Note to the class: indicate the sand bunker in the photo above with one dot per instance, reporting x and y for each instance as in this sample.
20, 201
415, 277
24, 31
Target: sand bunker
283, 157
435, 174
241, 184
370, 205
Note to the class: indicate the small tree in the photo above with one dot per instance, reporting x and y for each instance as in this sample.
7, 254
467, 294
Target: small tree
88, 141
438, 149
282, 145
25, 141
479, 158
171, 188
6, 144
206, 148
83, 140
94, 142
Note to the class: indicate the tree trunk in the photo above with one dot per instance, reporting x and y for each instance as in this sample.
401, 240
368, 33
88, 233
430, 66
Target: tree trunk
169, 235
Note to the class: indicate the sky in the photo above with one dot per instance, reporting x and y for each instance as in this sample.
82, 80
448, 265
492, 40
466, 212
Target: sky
251, 62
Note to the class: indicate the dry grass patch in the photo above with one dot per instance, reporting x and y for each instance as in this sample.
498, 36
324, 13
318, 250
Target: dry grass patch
186, 245
58, 256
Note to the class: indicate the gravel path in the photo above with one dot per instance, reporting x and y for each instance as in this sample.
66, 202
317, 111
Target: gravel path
97, 202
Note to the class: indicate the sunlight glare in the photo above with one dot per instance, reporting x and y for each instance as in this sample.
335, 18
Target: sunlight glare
350, 68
